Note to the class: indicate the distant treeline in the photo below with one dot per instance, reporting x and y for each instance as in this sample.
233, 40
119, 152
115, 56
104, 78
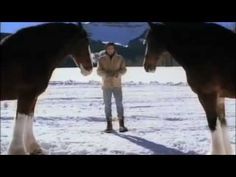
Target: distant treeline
133, 54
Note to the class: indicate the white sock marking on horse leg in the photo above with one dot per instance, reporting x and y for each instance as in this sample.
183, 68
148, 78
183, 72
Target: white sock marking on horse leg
17, 144
221, 115
30, 141
227, 144
217, 140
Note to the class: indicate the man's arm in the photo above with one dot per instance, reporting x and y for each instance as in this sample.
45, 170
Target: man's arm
102, 72
122, 69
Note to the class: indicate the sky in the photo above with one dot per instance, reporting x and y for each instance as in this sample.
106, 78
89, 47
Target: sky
12, 27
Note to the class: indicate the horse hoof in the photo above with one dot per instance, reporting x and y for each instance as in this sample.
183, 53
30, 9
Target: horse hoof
38, 151
218, 153
17, 151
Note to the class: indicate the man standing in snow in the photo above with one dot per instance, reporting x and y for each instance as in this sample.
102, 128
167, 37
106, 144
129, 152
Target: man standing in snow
111, 67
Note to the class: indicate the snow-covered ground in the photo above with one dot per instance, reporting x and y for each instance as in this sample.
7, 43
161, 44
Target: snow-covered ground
162, 113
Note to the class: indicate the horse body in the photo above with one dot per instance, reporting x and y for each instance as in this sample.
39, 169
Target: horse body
28, 59
207, 53
208, 56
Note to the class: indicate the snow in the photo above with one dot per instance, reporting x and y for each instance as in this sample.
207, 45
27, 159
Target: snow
134, 75
162, 113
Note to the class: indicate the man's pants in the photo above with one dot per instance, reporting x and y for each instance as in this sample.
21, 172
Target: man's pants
107, 96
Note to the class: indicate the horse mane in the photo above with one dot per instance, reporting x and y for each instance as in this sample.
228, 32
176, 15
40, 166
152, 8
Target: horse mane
42, 40
200, 31
50, 29
211, 27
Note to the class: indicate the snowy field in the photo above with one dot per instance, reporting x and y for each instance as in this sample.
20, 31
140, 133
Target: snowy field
162, 113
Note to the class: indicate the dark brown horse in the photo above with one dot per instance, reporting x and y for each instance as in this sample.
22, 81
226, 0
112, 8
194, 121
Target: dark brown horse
28, 59
207, 52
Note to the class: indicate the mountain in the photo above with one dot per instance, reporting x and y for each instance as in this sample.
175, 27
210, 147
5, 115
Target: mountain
117, 32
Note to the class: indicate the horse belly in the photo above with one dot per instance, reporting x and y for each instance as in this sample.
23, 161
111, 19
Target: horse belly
8, 86
223, 90
8, 93
229, 92
228, 85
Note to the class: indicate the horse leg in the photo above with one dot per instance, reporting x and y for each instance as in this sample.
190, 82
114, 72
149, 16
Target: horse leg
223, 122
24, 107
31, 144
209, 103
17, 146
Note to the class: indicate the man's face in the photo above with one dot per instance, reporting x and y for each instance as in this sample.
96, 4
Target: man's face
110, 50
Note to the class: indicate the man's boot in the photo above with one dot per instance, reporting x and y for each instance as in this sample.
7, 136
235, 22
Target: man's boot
109, 128
122, 126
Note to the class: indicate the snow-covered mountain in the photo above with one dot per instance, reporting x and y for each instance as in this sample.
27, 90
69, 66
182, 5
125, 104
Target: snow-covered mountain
118, 32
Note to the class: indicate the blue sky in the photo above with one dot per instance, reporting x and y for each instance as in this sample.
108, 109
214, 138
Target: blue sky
12, 27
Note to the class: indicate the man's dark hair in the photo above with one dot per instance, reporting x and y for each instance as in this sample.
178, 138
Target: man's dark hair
110, 44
